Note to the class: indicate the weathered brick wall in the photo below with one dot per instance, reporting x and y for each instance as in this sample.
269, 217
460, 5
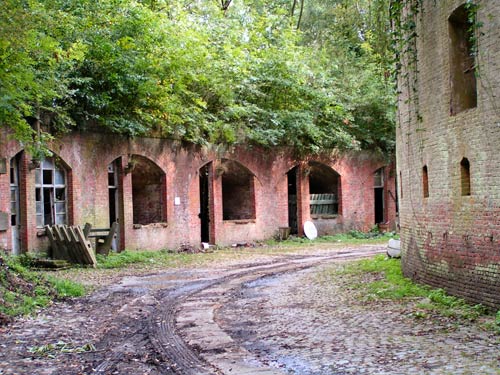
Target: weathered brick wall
87, 156
450, 240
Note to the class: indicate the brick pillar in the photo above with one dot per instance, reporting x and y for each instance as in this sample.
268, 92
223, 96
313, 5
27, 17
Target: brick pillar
215, 191
211, 203
303, 198
121, 215
127, 218
390, 194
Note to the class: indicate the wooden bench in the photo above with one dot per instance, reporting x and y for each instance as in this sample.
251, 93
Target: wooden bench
103, 237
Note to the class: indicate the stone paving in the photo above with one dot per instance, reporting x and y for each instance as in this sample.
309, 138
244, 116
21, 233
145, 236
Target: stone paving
251, 318
305, 324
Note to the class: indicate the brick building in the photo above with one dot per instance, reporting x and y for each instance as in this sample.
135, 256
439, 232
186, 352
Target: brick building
164, 194
448, 149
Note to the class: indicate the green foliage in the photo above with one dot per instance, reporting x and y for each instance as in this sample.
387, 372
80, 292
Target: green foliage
351, 237
391, 284
388, 282
66, 288
23, 291
125, 258
189, 71
50, 350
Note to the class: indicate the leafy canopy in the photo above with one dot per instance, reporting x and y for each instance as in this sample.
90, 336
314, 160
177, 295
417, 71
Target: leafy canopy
207, 72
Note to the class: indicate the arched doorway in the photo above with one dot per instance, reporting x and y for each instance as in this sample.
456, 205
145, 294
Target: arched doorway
148, 191
324, 190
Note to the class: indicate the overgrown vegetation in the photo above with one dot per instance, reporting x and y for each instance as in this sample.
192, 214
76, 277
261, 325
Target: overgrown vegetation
384, 280
250, 73
23, 291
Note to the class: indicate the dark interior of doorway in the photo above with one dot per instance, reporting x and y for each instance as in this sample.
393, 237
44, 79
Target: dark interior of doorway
112, 194
204, 204
379, 205
292, 200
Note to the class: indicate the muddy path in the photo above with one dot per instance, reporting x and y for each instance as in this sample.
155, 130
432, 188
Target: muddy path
157, 324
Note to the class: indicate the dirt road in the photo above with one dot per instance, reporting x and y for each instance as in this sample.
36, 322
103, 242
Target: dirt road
247, 318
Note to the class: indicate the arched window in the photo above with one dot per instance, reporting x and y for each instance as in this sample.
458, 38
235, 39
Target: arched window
324, 188
462, 62
425, 181
51, 193
465, 176
238, 191
148, 191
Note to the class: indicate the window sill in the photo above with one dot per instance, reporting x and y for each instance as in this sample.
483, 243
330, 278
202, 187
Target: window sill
240, 221
326, 216
151, 225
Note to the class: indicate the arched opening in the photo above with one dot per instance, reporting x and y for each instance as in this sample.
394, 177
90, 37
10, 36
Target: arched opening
148, 191
238, 191
51, 192
378, 186
462, 61
425, 181
324, 190
465, 176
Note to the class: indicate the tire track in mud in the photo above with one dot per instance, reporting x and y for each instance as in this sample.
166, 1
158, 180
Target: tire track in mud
196, 345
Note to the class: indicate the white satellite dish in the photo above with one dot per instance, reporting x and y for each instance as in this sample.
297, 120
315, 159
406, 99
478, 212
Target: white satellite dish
310, 230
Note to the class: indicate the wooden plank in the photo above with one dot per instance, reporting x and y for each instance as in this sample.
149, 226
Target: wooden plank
61, 243
86, 229
89, 252
78, 249
70, 244
56, 249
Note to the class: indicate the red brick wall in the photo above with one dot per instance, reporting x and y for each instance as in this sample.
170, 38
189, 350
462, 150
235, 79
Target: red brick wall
88, 155
450, 240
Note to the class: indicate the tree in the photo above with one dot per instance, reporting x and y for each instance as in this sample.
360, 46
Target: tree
218, 72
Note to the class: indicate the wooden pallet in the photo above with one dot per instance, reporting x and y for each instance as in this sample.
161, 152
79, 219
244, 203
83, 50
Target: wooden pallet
69, 243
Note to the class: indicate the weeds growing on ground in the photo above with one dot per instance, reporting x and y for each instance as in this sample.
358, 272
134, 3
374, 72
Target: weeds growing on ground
23, 291
351, 237
387, 282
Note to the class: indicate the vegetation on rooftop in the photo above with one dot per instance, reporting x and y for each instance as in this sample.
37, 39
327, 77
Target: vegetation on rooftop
301, 74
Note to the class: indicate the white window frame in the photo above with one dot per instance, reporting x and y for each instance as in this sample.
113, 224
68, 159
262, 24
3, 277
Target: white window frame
58, 202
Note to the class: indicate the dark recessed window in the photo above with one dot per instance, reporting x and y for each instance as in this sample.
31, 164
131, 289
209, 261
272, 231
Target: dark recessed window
238, 191
148, 191
462, 62
425, 181
465, 176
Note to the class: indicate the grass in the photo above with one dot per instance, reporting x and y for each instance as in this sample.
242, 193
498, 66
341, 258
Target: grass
352, 237
23, 291
385, 281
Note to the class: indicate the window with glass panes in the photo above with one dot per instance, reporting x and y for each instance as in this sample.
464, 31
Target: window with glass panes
50, 192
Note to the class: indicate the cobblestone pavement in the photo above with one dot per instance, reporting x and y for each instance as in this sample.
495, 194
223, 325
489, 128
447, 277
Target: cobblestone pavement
305, 324
275, 315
